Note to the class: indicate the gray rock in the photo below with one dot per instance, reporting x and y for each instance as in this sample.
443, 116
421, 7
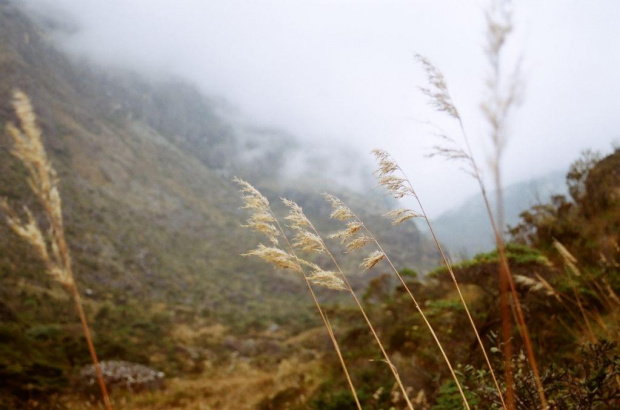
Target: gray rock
120, 374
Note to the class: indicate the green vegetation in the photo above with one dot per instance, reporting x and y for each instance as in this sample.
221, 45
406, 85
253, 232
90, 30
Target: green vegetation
572, 314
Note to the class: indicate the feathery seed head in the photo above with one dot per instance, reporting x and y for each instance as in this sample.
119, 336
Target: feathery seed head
437, 91
358, 242
296, 215
532, 284
372, 260
550, 290
351, 235
344, 235
339, 210
397, 186
61, 276
28, 230
304, 239
386, 164
28, 148
275, 256
252, 197
401, 215
262, 219
328, 279
309, 242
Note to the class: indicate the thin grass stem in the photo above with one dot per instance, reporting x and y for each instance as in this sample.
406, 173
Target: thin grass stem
382, 155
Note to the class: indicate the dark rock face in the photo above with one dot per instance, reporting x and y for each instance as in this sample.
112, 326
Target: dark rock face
120, 374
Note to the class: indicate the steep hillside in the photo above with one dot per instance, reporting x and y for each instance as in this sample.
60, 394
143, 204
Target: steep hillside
152, 220
145, 168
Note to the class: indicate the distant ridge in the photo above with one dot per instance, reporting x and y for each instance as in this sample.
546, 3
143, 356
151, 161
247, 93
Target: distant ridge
465, 229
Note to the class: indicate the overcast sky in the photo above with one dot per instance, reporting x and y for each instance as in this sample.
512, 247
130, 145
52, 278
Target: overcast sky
343, 72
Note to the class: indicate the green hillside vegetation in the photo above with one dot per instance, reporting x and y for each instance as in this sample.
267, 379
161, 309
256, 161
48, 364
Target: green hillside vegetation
569, 291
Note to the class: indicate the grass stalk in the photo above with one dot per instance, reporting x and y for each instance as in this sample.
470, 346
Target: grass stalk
51, 247
417, 305
496, 110
391, 165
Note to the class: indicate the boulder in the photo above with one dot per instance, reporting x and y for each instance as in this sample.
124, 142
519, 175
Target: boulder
120, 374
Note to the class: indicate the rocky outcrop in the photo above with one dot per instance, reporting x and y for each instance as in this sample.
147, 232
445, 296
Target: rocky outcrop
120, 374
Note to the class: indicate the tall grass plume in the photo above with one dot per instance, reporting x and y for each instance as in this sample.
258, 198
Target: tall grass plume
51, 245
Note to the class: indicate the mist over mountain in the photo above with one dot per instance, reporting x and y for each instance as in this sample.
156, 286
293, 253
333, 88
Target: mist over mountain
146, 166
342, 75
466, 229
149, 109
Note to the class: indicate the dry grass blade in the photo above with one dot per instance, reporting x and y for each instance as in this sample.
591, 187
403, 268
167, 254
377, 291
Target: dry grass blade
51, 247
496, 108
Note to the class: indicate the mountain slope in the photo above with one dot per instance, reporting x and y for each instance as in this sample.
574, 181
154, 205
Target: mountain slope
145, 169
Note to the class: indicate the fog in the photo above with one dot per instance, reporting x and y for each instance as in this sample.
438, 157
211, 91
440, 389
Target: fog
343, 72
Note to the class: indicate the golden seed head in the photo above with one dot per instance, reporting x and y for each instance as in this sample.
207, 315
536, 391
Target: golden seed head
401, 215
262, 219
397, 186
309, 242
372, 260
275, 256
437, 91
28, 148
328, 279
339, 210
358, 243
344, 235
296, 215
